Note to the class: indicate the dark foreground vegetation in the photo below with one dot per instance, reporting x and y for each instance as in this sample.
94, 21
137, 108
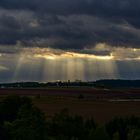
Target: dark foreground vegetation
21, 120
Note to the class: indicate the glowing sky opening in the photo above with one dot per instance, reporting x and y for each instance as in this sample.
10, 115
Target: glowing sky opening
73, 55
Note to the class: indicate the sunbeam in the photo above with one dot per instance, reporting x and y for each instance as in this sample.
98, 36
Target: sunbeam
50, 65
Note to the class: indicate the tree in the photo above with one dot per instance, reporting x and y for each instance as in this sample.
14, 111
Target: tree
116, 136
30, 125
134, 134
67, 127
3, 133
10, 106
99, 134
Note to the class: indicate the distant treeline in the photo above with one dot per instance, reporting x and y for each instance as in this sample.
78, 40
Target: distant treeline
97, 84
43, 85
117, 83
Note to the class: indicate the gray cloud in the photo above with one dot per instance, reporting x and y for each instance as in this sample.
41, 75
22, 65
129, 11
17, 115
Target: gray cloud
69, 25
101, 7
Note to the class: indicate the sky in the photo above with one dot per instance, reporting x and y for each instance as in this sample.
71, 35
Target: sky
49, 40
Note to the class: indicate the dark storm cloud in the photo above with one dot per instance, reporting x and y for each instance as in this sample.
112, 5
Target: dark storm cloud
74, 24
8, 30
9, 22
101, 7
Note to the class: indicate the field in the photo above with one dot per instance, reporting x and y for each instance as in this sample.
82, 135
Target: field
101, 104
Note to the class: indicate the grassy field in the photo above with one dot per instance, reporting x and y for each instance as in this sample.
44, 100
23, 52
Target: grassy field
101, 104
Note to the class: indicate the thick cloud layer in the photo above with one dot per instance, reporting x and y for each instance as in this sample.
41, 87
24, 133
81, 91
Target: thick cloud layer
94, 7
70, 25
64, 32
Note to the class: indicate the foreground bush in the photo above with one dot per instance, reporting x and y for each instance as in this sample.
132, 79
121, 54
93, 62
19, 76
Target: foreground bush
20, 120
